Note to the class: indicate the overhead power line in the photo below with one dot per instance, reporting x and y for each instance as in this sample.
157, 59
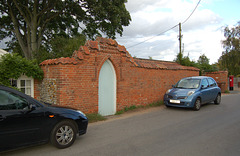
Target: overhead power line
153, 36
167, 29
192, 12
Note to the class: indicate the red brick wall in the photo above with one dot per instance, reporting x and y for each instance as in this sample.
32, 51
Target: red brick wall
143, 86
221, 77
74, 81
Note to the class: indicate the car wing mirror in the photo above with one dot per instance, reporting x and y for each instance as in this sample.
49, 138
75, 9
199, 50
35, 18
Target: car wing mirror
31, 107
173, 86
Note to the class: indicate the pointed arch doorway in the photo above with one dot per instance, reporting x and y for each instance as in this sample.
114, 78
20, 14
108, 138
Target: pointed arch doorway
107, 90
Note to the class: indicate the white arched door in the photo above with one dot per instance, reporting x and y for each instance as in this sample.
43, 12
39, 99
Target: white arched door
107, 90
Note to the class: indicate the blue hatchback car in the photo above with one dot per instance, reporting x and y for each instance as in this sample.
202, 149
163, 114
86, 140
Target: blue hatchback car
192, 92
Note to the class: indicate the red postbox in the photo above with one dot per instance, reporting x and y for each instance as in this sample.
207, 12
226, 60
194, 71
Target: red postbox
231, 82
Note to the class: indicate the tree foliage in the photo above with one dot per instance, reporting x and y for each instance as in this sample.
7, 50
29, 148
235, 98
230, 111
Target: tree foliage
60, 46
57, 47
179, 58
184, 60
33, 23
202, 63
230, 58
203, 59
12, 66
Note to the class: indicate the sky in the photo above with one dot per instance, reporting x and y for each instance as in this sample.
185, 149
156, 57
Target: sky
202, 32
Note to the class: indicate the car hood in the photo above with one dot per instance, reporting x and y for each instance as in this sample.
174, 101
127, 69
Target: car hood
180, 91
62, 107
57, 106
60, 110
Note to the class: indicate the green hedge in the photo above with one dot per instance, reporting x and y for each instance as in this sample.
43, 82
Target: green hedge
12, 66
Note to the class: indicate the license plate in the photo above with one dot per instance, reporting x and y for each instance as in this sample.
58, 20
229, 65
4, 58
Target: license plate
174, 101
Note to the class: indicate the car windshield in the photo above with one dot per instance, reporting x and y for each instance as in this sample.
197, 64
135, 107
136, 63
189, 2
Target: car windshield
188, 84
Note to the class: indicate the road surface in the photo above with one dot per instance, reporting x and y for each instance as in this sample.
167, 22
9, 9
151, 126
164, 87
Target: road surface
212, 131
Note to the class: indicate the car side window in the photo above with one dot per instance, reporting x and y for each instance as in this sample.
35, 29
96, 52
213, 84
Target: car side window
10, 101
212, 83
204, 83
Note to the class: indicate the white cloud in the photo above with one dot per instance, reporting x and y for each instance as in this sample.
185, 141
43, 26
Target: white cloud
205, 41
201, 33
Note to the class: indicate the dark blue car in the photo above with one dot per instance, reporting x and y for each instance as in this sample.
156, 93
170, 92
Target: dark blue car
25, 121
192, 92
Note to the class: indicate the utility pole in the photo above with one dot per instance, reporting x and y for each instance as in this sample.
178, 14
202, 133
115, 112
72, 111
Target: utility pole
180, 42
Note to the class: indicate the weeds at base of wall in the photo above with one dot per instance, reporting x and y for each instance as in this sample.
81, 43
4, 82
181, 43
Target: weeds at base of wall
133, 107
226, 91
94, 117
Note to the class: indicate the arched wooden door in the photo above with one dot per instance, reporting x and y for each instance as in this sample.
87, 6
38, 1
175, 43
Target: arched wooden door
107, 90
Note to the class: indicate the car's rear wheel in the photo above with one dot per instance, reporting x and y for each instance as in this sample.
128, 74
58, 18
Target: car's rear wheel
63, 134
197, 104
217, 101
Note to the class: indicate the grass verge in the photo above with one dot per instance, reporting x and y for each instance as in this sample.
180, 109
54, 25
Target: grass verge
94, 117
133, 107
227, 91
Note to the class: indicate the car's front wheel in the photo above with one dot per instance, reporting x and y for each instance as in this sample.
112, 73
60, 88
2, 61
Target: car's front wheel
63, 134
197, 105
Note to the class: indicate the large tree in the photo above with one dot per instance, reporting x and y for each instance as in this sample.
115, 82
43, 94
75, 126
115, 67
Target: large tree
230, 58
32, 23
59, 46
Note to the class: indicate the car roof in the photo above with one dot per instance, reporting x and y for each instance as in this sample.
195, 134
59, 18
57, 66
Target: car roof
196, 77
12, 90
2, 87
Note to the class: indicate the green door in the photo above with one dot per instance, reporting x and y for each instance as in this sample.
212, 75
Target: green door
107, 90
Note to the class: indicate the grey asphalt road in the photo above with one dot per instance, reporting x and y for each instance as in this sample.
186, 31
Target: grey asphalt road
212, 131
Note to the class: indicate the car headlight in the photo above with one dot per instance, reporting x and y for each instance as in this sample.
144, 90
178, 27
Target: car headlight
168, 91
190, 93
81, 112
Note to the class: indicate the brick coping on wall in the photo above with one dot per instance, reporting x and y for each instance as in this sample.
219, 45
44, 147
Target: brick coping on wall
78, 56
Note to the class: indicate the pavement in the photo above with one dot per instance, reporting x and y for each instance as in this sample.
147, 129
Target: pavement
236, 90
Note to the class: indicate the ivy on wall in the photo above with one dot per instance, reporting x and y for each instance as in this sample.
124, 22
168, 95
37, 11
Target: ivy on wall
12, 66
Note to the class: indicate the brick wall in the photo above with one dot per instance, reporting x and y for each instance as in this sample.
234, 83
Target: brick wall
221, 77
143, 86
74, 81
